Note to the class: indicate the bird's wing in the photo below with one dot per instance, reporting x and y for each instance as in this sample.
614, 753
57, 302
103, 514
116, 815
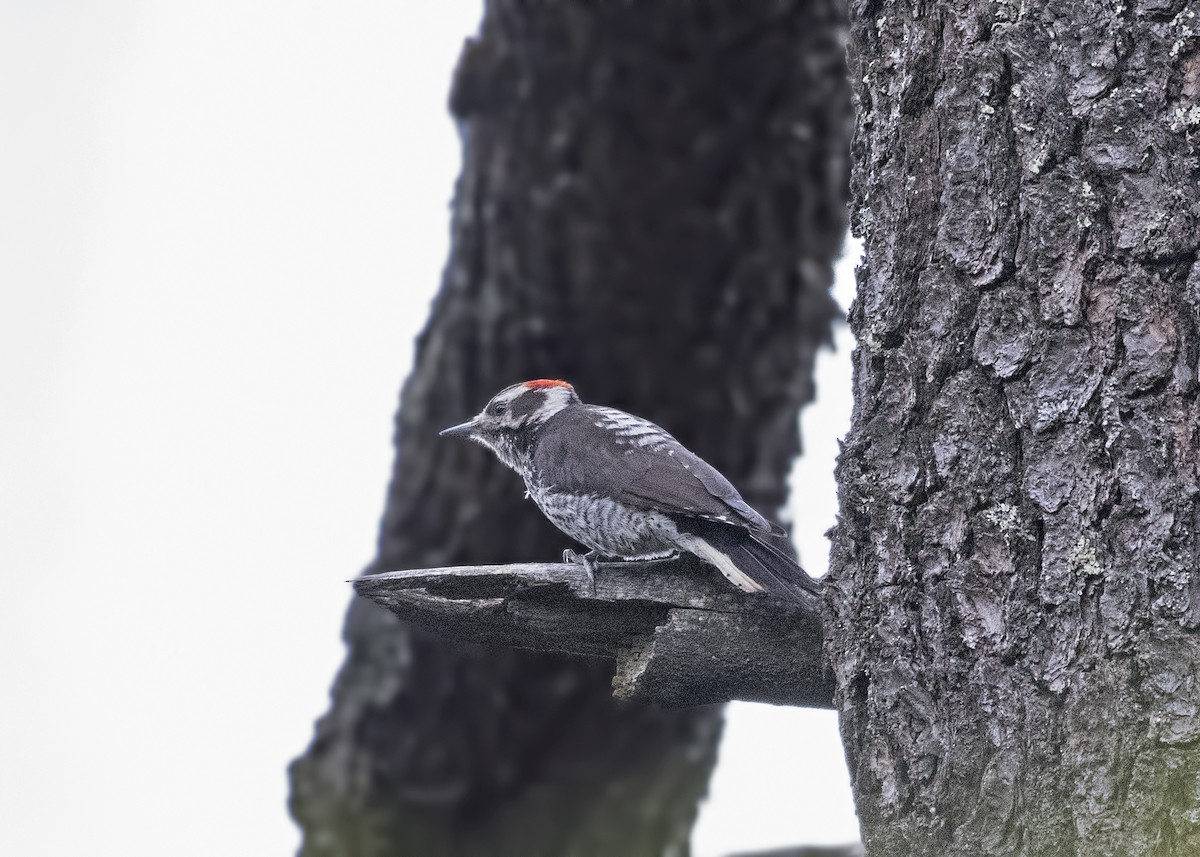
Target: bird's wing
681, 481
645, 466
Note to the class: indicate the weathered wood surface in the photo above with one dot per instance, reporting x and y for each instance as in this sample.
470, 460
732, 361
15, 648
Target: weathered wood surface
679, 634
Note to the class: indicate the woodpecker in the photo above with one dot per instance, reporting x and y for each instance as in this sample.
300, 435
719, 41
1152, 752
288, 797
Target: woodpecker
628, 490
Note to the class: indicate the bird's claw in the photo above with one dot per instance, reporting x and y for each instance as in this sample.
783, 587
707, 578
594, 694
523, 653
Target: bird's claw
589, 562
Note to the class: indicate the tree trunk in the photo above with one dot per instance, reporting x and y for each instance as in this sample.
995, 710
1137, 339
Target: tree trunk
651, 201
1016, 601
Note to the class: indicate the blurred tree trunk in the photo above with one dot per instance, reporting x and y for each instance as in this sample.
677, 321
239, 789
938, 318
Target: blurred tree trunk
651, 200
1017, 599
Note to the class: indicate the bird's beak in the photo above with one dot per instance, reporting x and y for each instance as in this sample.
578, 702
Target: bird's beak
461, 430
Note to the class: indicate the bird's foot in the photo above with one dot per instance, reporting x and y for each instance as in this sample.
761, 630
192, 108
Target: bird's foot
590, 562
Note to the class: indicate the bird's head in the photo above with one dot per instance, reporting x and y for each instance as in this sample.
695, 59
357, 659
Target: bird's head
513, 416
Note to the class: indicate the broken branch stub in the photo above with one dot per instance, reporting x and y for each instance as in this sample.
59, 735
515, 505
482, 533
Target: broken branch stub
680, 635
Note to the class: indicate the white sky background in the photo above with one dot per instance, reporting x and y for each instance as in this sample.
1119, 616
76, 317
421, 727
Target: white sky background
220, 230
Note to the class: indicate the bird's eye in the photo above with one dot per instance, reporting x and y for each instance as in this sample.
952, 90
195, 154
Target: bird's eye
499, 408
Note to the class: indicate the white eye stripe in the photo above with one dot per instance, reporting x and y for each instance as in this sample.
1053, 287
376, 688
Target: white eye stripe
500, 404
551, 399
508, 395
556, 398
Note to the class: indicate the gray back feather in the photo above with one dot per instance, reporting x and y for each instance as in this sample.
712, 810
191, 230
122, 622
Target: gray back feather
587, 449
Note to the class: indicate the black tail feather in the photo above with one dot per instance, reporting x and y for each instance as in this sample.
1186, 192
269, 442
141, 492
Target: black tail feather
767, 565
774, 570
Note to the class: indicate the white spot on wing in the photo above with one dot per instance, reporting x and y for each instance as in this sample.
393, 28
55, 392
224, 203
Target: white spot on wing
635, 431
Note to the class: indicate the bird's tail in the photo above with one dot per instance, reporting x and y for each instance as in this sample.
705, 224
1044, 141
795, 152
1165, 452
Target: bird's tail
751, 563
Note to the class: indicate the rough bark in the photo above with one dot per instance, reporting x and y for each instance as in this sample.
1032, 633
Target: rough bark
1016, 596
680, 634
651, 200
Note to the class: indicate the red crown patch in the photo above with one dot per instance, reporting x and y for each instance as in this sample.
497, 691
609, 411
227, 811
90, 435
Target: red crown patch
545, 383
